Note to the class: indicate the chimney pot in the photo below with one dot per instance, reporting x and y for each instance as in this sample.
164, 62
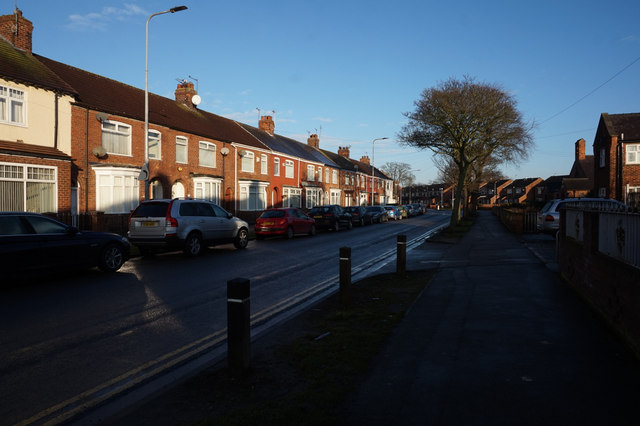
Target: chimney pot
266, 123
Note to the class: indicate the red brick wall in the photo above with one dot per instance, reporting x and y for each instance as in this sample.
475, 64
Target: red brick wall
86, 134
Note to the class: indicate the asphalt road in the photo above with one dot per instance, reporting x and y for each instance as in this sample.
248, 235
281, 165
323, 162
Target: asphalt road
70, 342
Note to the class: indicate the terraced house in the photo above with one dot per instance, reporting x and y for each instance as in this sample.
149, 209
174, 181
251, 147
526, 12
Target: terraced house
73, 141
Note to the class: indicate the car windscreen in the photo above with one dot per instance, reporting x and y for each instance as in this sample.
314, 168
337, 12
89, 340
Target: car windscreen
270, 214
319, 210
158, 209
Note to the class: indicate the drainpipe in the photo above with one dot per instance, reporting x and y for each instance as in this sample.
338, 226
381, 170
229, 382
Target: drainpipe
86, 168
235, 180
55, 121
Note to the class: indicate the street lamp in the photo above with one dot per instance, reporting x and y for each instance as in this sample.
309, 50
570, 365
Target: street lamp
146, 97
373, 156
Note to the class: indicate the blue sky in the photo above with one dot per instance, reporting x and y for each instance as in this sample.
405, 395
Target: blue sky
348, 70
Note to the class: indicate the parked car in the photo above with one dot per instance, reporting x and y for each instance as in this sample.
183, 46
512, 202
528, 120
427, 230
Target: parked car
392, 212
32, 242
331, 217
284, 222
378, 214
359, 215
187, 224
418, 208
548, 219
403, 212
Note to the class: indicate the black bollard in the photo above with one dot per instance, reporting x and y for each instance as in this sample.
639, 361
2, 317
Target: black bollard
401, 256
345, 274
238, 326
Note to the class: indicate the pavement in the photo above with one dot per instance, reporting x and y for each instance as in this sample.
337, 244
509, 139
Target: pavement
498, 338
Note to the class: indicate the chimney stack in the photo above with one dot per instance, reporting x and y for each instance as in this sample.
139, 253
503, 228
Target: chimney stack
17, 30
267, 124
184, 93
580, 150
365, 160
343, 151
314, 141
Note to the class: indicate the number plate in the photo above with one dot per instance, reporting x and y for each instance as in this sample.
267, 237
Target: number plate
149, 223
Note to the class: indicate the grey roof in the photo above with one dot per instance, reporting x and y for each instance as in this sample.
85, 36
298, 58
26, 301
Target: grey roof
285, 145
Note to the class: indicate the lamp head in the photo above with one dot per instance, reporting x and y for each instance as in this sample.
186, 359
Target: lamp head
177, 9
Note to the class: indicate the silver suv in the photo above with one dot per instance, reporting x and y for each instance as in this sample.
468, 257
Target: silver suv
549, 215
186, 224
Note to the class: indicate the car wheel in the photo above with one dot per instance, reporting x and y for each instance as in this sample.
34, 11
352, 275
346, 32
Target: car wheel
242, 239
289, 233
193, 245
111, 258
312, 230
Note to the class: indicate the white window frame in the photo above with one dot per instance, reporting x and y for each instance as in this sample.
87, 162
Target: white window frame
288, 169
117, 189
207, 188
28, 187
154, 137
182, 149
334, 195
253, 196
276, 166
13, 106
602, 192
632, 153
248, 164
263, 164
313, 197
311, 173
334, 177
207, 150
291, 197
327, 175
319, 174
122, 132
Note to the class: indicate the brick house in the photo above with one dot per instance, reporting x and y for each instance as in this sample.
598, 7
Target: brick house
85, 132
490, 192
616, 150
520, 191
35, 133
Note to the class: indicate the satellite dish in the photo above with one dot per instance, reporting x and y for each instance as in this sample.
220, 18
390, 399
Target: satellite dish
224, 151
99, 151
242, 153
196, 99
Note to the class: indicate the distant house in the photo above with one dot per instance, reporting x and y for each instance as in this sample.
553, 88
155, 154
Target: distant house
616, 149
579, 183
520, 191
490, 192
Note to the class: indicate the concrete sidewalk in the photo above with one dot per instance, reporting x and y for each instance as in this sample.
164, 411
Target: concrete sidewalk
497, 338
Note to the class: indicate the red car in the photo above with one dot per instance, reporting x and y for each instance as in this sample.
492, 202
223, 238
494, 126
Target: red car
284, 221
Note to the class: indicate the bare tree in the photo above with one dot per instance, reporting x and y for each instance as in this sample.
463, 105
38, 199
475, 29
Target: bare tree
468, 123
400, 173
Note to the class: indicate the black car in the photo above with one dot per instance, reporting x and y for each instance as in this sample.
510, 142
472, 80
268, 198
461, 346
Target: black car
331, 217
34, 242
359, 215
378, 214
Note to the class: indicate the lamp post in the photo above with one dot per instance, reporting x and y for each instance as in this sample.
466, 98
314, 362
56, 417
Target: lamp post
146, 96
373, 156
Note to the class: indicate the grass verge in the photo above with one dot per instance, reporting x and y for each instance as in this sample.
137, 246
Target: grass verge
302, 371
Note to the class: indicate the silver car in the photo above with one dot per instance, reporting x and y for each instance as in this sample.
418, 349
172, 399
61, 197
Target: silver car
187, 224
549, 215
